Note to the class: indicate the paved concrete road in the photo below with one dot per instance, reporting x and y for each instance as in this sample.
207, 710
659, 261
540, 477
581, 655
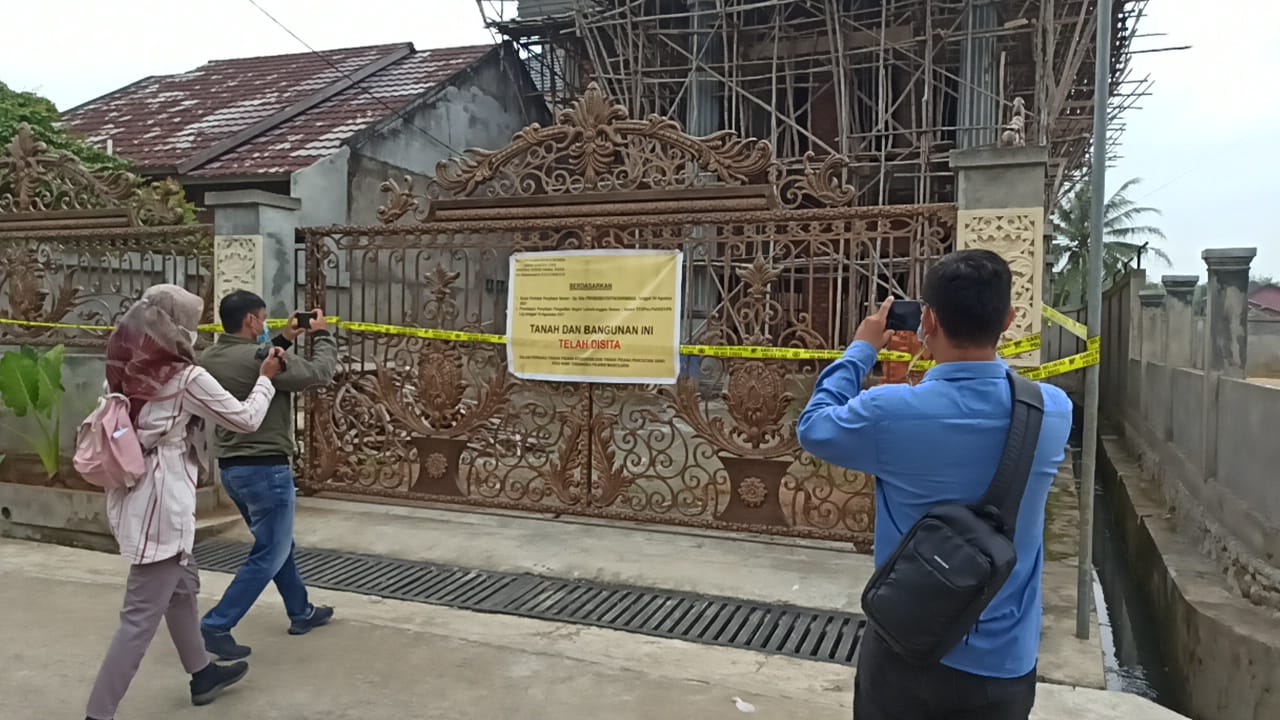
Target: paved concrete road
386, 660
804, 573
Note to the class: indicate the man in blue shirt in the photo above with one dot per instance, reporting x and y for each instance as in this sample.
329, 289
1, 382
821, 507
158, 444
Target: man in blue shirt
939, 442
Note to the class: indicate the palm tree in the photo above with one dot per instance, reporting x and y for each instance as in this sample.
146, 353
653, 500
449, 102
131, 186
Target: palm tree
1119, 249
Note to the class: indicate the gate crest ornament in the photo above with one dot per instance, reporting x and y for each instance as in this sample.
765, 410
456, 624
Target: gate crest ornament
596, 147
36, 178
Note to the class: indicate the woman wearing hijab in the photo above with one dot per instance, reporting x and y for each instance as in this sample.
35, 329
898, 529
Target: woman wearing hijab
151, 361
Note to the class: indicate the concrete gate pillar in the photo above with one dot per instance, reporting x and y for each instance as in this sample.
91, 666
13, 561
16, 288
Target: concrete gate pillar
254, 246
1226, 335
1000, 194
1179, 319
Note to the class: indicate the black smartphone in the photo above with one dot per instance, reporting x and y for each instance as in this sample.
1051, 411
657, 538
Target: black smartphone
304, 320
904, 315
262, 354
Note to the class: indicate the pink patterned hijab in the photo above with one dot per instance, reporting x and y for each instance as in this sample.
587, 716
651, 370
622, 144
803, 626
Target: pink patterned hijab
152, 344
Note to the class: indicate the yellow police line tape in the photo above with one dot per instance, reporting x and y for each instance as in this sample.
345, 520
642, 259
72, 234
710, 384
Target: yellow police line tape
1091, 356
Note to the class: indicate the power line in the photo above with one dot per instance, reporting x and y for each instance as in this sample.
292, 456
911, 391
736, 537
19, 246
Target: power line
354, 82
1153, 192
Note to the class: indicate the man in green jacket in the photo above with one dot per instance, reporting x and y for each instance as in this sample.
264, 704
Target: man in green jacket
256, 467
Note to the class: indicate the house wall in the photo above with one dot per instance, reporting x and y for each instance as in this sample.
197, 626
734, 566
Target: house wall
322, 188
481, 108
1264, 348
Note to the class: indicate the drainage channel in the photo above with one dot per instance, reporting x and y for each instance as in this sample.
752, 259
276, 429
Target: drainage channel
804, 633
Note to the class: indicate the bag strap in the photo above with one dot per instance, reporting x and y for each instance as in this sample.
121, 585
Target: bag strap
1013, 472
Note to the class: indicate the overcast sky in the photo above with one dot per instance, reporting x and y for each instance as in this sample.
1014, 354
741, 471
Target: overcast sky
1203, 143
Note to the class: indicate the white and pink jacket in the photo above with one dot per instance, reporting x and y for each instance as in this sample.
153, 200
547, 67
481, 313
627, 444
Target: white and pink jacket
156, 518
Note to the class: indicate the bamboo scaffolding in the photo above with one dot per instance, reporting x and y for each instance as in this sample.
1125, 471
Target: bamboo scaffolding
883, 83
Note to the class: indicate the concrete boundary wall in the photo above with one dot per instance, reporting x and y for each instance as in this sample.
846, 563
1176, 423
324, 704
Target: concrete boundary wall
1202, 430
1224, 652
1236, 534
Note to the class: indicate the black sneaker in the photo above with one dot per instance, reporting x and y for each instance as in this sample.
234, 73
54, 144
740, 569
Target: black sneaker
206, 684
318, 616
224, 646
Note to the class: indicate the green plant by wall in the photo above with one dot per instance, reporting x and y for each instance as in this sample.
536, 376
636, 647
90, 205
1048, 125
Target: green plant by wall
31, 387
43, 117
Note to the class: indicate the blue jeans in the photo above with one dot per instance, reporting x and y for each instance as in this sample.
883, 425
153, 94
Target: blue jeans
266, 498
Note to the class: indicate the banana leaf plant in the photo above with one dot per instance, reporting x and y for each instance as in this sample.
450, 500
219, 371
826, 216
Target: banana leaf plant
31, 387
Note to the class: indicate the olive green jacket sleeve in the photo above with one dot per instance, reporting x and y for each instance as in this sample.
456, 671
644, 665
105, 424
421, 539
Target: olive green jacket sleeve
301, 372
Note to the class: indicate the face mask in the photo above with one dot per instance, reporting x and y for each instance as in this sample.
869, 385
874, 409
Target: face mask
264, 337
194, 336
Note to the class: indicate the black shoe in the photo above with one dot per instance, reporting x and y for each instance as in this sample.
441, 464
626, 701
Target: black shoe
206, 684
224, 646
318, 616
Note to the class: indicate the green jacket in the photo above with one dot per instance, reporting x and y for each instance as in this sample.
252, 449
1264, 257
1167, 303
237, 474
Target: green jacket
232, 363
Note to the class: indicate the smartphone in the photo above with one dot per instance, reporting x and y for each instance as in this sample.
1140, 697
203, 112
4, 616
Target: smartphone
905, 315
304, 320
262, 354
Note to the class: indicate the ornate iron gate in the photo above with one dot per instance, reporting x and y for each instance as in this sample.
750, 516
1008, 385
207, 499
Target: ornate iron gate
772, 259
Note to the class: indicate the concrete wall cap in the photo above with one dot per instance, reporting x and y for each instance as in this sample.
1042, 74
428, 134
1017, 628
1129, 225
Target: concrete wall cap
1176, 284
251, 197
1229, 258
1151, 298
992, 156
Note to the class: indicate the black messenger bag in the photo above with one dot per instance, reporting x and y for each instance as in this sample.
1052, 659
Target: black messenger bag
950, 565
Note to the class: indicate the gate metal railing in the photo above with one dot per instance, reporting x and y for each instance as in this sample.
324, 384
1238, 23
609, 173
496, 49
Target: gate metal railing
78, 246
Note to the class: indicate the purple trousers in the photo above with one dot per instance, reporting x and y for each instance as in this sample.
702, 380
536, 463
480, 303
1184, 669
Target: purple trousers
165, 589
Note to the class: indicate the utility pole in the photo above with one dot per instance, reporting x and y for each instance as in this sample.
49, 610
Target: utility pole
1093, 294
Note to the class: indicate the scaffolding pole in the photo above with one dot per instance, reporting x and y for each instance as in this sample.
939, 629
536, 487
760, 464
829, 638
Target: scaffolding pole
1098, 193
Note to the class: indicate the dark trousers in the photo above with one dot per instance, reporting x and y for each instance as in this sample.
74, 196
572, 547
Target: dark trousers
888, 687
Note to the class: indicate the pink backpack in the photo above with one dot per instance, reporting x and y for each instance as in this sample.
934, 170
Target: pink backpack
108, 452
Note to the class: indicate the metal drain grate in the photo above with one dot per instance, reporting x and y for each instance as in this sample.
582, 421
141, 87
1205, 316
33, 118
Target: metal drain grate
797, 632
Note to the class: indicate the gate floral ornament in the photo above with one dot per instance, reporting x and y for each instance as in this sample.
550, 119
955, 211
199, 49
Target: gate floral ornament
435, 410
37, 179
773, 257
756, 400
435, 407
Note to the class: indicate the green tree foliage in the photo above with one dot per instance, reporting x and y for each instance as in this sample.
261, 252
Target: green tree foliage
1123, 233
41, 114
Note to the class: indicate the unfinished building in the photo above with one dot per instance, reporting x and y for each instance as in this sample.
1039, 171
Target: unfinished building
892, 85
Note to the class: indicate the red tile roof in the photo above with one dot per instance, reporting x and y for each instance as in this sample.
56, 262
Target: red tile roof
1266, 297
161, 122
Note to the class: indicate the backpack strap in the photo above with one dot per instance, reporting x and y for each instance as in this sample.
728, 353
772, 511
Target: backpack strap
1013, 472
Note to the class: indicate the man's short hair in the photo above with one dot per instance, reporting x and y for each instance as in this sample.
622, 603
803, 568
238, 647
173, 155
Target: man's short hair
970, 292
237, 306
